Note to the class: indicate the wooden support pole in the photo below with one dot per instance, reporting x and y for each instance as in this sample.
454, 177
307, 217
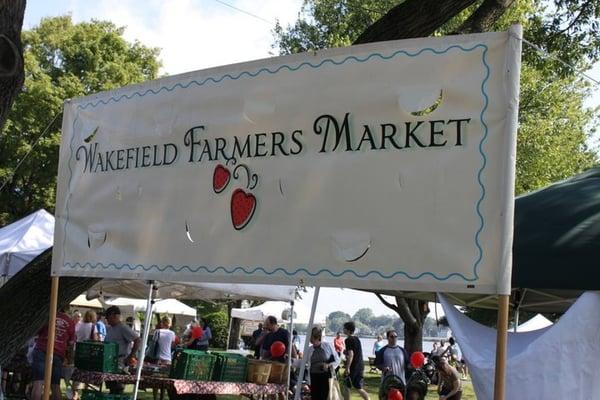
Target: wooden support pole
51, 335
501, 341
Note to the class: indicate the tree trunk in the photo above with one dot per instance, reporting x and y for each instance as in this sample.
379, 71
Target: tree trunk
413, 338
11, 54
484, 17
24, 302
413, 313
413, 18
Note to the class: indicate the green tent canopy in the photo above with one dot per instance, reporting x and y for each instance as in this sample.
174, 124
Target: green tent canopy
556, 248
557, 236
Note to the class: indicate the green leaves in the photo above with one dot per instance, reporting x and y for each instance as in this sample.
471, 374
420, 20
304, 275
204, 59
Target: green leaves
62, 60
329, 23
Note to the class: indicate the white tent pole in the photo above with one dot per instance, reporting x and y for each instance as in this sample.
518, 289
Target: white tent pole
289, 360
138, 372
228, 334
306, 342
516, 318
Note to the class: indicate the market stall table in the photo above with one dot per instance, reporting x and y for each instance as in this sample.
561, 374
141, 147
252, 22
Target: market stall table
209, 389
181, 387
98, 378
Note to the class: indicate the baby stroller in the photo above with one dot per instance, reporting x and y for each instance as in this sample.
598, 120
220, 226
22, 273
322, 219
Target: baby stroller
416, 387
388, 383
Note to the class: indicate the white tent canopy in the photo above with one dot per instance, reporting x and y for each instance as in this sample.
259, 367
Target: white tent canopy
556, 362
192, 290
276, 309
82, 301
166, 306
23, 240
535, 323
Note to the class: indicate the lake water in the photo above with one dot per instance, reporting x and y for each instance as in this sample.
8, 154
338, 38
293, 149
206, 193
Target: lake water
367, 345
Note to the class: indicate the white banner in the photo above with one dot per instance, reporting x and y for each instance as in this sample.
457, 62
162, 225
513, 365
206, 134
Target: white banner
375, 166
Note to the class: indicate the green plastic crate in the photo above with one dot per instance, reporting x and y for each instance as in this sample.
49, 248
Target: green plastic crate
230, 367
192, 365
94, 395
97, 356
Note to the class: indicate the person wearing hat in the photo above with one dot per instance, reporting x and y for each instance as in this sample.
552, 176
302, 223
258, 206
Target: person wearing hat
125, 337
450, 385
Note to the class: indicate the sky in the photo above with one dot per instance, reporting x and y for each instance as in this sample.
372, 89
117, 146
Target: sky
192, 34
198, 34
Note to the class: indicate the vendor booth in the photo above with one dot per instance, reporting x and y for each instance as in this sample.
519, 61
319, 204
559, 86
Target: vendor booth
83, 303
166, 306
23, 240
534, 324
279, 310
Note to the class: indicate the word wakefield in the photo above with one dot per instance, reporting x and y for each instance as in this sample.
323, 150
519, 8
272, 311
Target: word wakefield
333, 135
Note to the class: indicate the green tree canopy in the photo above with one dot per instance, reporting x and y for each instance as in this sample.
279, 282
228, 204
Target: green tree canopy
336, 320
363, 315
62, 60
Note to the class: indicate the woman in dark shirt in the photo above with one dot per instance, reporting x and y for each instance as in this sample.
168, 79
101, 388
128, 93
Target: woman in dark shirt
355, 367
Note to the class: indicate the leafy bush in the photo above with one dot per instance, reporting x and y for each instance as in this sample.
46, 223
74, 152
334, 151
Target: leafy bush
219, 323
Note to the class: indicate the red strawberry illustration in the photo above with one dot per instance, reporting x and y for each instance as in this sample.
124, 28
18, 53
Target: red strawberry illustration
221, 178
243, 206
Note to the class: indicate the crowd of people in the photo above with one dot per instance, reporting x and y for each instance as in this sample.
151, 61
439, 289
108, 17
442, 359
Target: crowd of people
342, 357
324, 361
451, 353
106, 326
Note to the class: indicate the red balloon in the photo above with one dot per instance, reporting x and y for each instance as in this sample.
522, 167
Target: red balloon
197, 332
395, 394
417, 359
277, 349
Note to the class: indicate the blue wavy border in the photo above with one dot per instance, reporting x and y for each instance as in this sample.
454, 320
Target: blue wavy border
276, 270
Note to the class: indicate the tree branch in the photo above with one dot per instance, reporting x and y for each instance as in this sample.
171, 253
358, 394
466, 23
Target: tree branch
387, 304
405, 312
415, 310
413, 18
582, 10
486, 14
424, 309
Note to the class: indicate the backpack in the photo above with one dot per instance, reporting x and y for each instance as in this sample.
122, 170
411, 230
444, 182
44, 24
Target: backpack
153, 346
